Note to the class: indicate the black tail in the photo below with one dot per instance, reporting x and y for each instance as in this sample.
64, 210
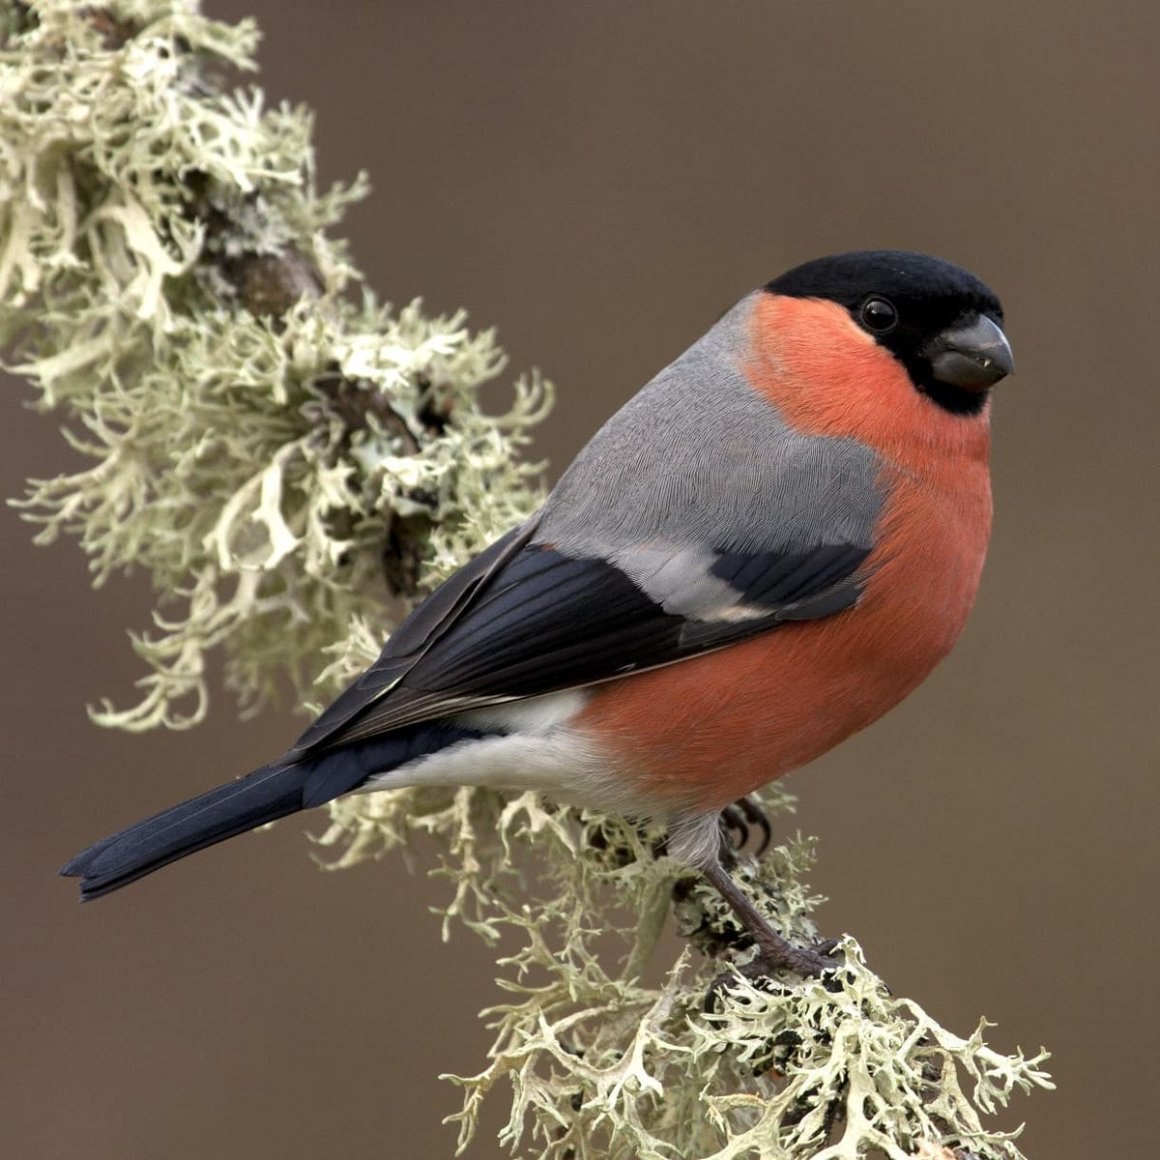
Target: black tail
262, 796
271, 792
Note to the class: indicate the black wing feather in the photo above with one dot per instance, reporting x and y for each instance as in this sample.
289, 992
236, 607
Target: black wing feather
430, 619
531, 620
776, 579
562, 622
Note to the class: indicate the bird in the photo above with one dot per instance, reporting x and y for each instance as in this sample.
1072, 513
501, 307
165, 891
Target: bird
762, 552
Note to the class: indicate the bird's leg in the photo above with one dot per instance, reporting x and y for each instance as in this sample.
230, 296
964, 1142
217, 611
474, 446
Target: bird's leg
774, 951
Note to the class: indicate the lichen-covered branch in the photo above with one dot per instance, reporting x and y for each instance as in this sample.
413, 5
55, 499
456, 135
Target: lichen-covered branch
292, 464
603, 1065
267, 447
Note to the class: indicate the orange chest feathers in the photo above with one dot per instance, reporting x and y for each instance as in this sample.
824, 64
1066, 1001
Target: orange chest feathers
701, 733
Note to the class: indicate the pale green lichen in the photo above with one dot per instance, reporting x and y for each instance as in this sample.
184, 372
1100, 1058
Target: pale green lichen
262, 446
290, 464
603, 1064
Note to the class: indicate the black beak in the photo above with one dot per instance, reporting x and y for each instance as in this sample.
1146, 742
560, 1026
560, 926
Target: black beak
974, 356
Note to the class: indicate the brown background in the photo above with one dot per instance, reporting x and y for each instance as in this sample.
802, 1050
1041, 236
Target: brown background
600, 180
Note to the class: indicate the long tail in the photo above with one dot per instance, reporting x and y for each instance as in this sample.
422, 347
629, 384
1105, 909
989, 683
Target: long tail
269, 793
262, 796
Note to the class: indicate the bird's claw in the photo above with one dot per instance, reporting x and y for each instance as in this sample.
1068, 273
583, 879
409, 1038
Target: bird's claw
737, 820
814, 962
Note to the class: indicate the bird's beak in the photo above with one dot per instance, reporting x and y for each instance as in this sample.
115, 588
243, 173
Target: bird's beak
974, 355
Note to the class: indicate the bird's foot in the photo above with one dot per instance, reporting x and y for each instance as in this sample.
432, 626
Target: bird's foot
814, 962
774, 953
739, 819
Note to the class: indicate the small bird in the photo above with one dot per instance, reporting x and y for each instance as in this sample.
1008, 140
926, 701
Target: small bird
762, 552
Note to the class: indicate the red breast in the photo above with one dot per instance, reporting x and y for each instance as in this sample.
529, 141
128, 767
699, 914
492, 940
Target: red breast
704, 732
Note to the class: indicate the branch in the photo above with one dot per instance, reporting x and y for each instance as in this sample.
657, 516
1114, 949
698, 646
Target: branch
261, 440
269, 447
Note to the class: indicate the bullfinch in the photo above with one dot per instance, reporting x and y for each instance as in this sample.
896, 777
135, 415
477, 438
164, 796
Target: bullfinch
762, 552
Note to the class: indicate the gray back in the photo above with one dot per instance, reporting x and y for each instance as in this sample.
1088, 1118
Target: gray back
698, 461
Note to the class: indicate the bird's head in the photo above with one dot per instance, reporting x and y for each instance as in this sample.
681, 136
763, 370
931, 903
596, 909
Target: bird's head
943, 324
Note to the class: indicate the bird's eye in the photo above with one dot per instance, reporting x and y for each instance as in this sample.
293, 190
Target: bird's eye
878, 315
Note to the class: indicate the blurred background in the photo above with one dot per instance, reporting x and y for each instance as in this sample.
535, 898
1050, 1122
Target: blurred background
599, 181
